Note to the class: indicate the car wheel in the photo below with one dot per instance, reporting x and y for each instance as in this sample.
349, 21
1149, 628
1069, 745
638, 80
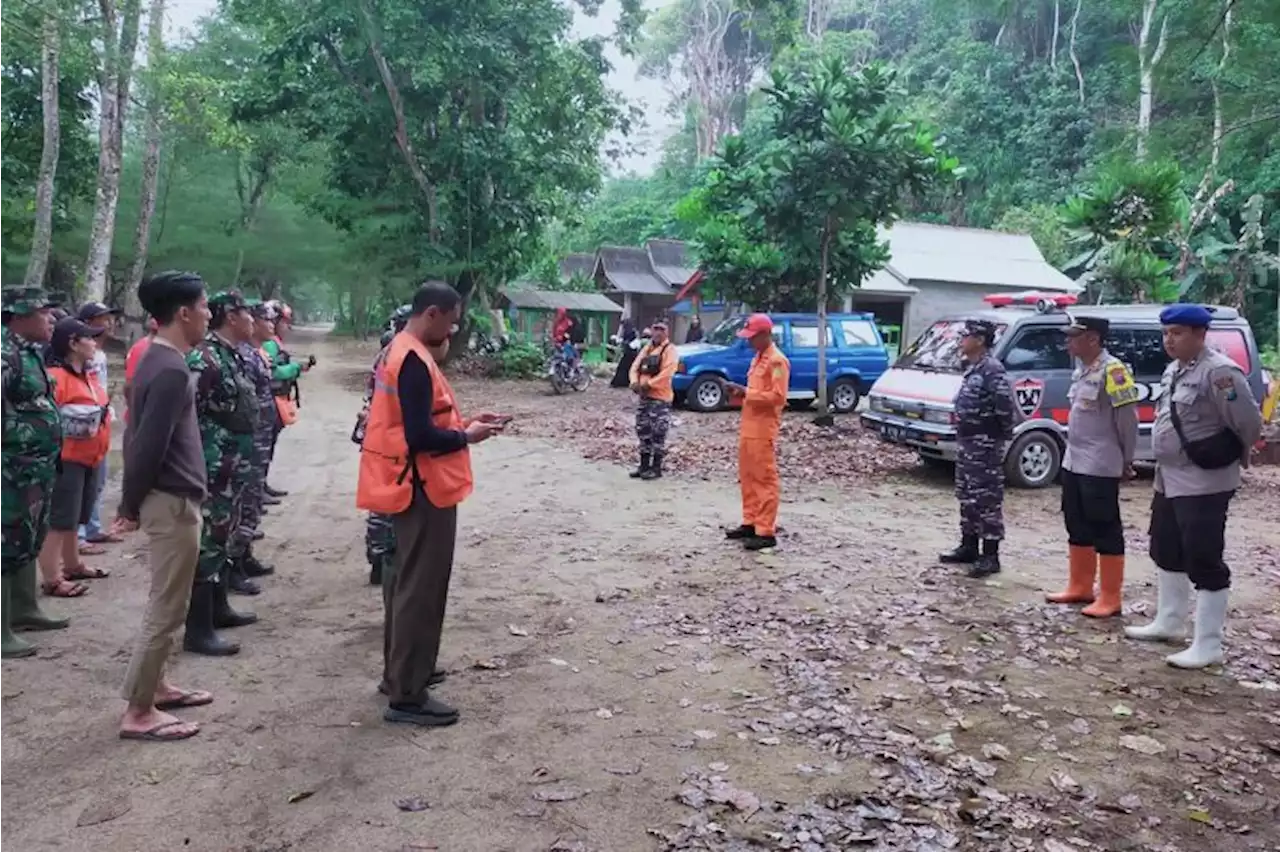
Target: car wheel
844, 396
707, 394
1033, 460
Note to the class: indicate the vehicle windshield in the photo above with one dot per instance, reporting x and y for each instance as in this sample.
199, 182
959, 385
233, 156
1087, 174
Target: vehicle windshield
726, 332
938, 348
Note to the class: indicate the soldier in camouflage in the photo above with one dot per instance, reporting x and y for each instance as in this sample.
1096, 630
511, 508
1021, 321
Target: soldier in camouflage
32, 443
227, 411
256, 366
379, 534
985, 417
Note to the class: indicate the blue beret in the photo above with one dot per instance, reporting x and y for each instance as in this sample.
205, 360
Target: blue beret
1195, 316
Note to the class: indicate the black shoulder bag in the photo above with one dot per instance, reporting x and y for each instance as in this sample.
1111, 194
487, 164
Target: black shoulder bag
1212, 453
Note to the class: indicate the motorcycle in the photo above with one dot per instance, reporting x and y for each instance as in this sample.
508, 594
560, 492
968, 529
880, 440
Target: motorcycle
565, 376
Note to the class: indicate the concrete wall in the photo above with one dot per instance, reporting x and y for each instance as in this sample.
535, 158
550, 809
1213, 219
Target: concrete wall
938, 298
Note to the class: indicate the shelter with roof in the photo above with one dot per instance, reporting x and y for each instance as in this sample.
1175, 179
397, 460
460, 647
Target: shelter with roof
939, 269
532, 312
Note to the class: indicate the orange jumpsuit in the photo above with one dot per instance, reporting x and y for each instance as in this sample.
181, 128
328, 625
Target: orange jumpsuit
757, 440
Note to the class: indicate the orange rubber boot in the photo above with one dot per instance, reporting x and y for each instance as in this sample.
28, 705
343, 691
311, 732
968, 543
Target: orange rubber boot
1110, 582
1082, 564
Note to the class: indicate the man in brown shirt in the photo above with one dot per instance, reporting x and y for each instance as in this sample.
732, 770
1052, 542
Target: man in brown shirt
164, 484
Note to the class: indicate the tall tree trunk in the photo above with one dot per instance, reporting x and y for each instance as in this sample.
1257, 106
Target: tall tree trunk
118, 46
1071, 49
42, 238
1053, 46
1215, 83
1148, 59
828, 234
150, 163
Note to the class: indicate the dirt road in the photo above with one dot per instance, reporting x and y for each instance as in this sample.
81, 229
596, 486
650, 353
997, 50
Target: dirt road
627, 681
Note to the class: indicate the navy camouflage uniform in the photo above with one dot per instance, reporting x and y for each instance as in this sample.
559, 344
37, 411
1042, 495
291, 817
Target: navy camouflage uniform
985, 414
32, 439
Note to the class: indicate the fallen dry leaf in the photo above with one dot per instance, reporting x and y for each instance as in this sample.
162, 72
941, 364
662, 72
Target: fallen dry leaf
301, 795
558, 794
105, 807
1142, 744
517, 631
412, 804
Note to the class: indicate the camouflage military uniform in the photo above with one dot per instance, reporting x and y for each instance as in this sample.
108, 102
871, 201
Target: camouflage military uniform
251, 506
32, 444
227, 410
379, 533
984, 410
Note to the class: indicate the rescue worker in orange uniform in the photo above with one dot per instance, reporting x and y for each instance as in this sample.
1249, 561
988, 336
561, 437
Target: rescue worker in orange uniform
415, 465
763, 399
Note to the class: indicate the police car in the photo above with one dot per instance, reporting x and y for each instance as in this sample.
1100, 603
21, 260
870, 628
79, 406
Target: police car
911, 403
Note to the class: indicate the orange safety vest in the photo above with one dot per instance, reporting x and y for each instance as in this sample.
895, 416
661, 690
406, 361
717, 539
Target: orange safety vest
387, 475
82, 403
285, 406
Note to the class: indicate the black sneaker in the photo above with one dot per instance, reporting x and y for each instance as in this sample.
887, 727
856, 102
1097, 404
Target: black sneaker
242, 585
985, 566
737, 533
760, 542
274, 492
429, 714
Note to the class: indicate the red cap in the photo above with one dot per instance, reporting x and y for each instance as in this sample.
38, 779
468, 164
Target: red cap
756, 324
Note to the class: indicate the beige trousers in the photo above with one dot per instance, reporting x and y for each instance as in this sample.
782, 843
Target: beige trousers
172, 525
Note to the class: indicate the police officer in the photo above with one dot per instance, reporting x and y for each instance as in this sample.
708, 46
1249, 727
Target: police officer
1207, 421
1102, 432
226, 408
32, 443
984, 411
651, 375
248, 565
379, 532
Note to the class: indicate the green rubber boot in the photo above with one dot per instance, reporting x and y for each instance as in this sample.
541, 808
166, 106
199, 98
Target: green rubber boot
27, 614
14, 645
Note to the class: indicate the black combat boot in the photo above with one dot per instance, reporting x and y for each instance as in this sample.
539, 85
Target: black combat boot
375, 573
989, 562
254, 568
200, 637
259, 535
646, 462
268, 500
655, 468
274, 492
965, 554
224, 616
744, 531
760, 542
237, 580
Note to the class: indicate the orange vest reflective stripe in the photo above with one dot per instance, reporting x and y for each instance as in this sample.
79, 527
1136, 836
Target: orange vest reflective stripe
386, 476
79, 395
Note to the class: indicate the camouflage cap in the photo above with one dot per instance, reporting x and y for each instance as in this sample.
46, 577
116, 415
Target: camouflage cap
260, 309
228, 300
27, 300
980, 328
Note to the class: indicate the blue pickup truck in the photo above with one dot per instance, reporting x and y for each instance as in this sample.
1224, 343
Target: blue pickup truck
856, 356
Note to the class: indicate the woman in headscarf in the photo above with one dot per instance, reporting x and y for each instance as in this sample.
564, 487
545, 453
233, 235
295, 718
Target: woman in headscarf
694, 334
627, 335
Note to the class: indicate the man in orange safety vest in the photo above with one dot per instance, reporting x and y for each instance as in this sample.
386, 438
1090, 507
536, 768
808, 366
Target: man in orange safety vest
763, 399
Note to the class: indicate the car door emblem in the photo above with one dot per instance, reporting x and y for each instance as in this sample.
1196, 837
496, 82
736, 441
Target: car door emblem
1028, 393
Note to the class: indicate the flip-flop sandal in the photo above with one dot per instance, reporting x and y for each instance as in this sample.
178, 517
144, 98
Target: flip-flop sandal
85, 572
157, 735
194, 698
60, 589
90, 550
105, 538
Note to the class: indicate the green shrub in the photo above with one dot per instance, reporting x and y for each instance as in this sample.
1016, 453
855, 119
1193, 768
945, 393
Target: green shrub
519, 359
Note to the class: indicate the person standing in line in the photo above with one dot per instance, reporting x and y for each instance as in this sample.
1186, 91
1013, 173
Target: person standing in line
985, 416
32, 437
91, 533
163, 487
227, 412
1207, 421
694, 334
1102, 433
246, 564
85, 413
651, 374
379, 530
415, 464
763, 399
134, 357
627, 351
285, 373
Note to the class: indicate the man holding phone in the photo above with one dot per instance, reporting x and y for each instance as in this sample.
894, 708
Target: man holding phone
415, 465
763, 399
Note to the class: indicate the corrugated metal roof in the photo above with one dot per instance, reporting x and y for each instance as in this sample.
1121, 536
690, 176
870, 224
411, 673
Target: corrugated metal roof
549, 300
628, 270
942, 253
668, 258
884, 281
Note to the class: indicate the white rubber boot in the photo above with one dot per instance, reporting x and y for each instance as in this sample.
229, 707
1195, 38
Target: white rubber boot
1206, 649
1173, 596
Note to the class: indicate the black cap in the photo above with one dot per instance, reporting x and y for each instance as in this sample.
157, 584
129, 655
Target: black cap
980, 328
68, 329
1079, 325
93, 310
